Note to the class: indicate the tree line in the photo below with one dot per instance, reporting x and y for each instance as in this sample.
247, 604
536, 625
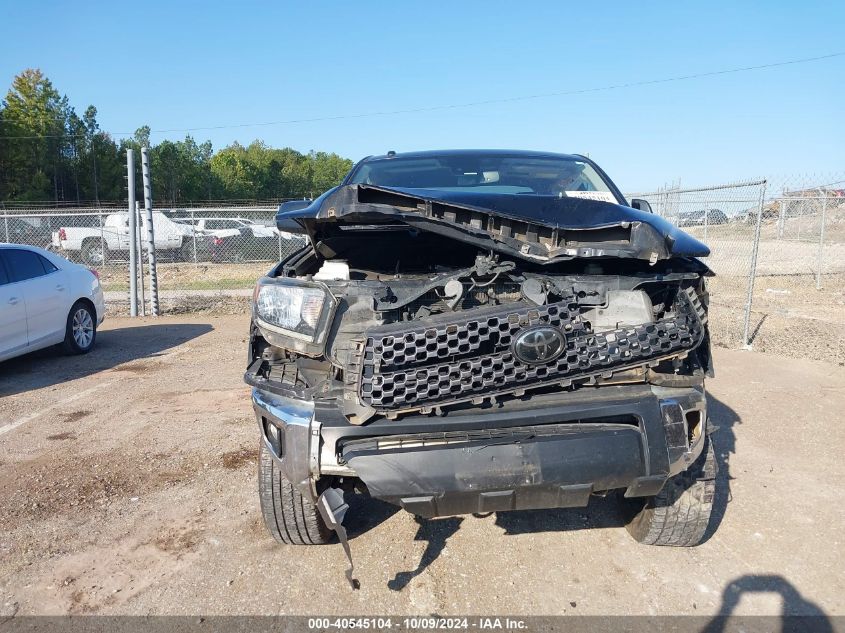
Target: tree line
50, 153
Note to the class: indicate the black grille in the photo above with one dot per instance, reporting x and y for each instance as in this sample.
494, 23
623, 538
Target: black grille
470, 356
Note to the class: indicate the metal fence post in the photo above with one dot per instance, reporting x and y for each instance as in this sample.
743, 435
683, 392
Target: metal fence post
194, 234
139, 238
6, 222
706, 222
752, 273
676, 205
133, 229
821, 244
102, 240
148, 213
781, 217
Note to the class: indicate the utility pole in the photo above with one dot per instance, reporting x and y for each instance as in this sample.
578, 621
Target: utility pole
133, 232
94, 159
148, 215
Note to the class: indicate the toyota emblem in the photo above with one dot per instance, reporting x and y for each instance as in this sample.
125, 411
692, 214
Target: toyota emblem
539, 344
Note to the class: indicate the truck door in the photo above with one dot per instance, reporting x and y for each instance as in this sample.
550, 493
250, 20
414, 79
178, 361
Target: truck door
122, 229
167, 235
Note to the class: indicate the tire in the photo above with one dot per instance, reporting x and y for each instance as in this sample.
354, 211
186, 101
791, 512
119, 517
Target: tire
679, 514
94, 252
186, 252
290, 518
80, 329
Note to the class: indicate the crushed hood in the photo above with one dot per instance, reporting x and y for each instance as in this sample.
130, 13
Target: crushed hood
541, 229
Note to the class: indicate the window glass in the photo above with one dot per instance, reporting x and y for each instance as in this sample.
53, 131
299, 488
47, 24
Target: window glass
4, 279
47, 264
488, 173
23, 264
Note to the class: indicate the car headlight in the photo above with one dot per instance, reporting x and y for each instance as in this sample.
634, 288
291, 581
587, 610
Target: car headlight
293, 314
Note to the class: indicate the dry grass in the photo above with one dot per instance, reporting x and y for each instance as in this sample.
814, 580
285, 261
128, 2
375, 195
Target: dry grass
187, 276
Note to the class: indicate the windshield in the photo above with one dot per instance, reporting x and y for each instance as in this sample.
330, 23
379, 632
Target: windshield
486, 173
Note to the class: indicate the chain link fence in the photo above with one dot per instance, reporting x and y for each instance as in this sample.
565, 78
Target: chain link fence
208, 258
724, 218
777, 251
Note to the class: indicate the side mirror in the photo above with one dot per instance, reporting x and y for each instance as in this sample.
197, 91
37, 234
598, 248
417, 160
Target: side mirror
294, 205
642, 205
288, 224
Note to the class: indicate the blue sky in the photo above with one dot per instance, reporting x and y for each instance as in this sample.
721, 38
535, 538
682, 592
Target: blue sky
196, 64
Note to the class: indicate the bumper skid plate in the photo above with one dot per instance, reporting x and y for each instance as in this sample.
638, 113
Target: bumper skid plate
554, 466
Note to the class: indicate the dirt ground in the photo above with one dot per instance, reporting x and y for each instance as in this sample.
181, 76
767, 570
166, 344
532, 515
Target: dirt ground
789, 320
128, 486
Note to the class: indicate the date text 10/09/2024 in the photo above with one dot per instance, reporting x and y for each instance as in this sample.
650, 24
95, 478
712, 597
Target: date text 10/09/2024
417, 624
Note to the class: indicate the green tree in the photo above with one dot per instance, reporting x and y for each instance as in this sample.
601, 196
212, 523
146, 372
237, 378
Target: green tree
91, 127
110, 164
47, 151
329, 170
142, 136
5, 166
181, 171
34, 112
233, 173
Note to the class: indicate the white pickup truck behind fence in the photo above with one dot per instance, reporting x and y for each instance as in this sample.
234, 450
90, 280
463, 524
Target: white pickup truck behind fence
96, 246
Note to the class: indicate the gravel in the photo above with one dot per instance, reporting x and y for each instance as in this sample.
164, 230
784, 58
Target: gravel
144, 502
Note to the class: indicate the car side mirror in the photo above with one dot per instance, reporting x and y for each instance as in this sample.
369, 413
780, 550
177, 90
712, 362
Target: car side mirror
294, 205
288, 224
642, 205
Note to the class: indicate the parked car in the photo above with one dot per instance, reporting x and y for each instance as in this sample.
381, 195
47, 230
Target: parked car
229, 245
46, 300
239, 240
771, 212
226, 227
702, 217
34, 231
96, 245
479, 331
219, 250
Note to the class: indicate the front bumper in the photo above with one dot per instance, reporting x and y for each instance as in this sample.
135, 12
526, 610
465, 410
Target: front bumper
553, 450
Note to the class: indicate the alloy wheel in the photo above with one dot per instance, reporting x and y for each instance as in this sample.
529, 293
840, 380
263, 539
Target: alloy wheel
83, 328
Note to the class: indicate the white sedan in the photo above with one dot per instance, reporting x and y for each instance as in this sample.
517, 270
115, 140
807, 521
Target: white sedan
232, 227
46, 300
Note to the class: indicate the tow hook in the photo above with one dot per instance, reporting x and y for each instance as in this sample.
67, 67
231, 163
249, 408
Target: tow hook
333, 508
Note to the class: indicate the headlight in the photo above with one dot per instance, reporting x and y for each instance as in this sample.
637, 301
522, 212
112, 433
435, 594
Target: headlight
297, 311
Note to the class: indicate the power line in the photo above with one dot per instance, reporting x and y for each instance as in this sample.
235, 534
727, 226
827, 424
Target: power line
471, 104
45, 135
504, 100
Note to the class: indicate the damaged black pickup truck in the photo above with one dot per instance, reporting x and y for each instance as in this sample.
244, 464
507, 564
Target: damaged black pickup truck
478, 331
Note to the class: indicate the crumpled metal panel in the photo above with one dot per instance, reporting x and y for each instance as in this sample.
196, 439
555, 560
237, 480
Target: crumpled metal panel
471, 357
